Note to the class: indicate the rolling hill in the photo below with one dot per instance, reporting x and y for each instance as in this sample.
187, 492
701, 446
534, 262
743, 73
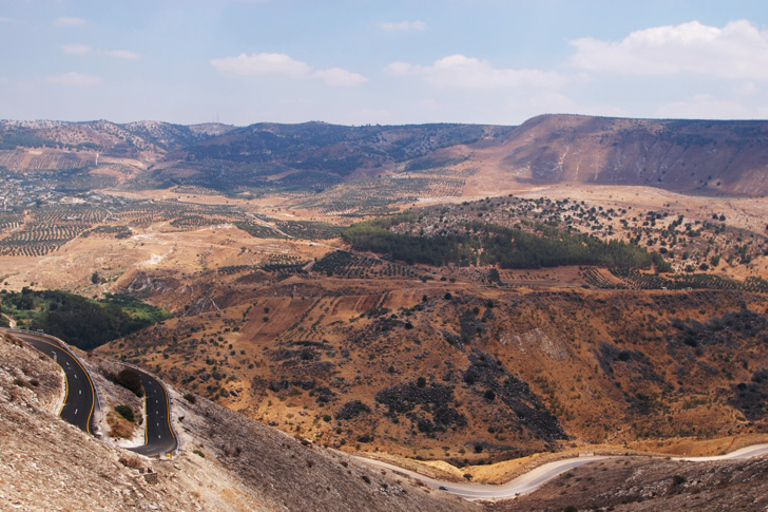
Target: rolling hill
694, 157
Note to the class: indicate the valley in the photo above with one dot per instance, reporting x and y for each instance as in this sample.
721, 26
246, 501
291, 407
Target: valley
470, 301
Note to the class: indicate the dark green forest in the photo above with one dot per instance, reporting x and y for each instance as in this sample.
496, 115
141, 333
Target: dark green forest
491, 244
81, 322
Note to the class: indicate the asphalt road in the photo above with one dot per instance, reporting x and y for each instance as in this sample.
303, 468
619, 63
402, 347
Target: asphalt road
159, 437
80, 399
535, 478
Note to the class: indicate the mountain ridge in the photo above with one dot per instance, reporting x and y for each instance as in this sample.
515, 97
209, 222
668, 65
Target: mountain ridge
701, 157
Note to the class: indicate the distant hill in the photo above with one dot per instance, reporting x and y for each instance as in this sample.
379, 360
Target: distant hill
692, 157
312, 155
105, 137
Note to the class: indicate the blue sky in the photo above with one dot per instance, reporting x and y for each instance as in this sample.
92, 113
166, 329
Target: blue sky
381, 61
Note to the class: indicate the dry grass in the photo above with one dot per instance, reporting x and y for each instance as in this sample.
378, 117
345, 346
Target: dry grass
48, 464
119, 427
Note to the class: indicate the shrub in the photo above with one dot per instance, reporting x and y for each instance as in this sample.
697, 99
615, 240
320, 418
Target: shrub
352, 409
126, 412
189, 397
131, 381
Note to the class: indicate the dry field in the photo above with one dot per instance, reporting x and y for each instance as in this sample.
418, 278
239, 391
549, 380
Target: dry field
292, 346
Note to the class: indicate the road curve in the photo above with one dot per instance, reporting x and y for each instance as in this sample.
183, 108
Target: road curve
80, 399
539, 476
159, 437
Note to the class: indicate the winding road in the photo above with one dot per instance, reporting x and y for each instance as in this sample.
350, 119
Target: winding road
159, 437
80, 397
539, 476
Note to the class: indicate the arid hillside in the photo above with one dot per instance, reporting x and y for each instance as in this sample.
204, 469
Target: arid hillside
382, 290
642, 484
647, 310
226, 462
467, 373
363, 170
694, 157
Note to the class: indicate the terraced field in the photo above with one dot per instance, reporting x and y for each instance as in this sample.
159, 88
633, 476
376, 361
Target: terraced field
17, 160
634, 279
358, 266
378, 196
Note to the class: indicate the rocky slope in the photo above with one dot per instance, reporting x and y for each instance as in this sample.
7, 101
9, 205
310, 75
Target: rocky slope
698, 157
468, 373
642, 484
226, 461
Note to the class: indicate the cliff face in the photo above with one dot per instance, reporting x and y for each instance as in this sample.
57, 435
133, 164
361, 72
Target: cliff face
699, 157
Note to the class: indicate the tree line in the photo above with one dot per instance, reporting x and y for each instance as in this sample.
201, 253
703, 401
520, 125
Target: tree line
491, 244
81, 322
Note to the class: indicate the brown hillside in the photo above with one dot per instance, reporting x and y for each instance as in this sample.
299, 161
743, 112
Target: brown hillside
699, 157
641, 484
466, 372
336, 164
226, 462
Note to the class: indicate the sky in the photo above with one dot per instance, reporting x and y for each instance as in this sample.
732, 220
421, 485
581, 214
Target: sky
359, 62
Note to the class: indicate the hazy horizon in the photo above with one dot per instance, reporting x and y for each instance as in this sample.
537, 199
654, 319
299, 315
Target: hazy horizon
356, 62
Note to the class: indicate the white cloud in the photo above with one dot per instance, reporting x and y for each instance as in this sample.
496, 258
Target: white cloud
738, 50
82, 49
337, 77
75, 79
705, 106
121, 54
399, 26
461, 72
70, 21
3, 19
258, 64
399, 68
262, 64
76, 49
